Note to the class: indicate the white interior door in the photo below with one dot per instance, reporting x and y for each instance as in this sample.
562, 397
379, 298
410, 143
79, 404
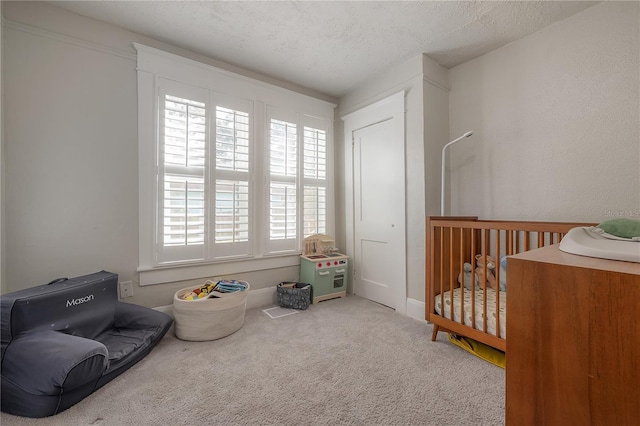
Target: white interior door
379, 214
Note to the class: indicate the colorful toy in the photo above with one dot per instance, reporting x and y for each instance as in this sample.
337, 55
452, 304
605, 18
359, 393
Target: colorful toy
230, 286
191, 295
206, 290
200, 293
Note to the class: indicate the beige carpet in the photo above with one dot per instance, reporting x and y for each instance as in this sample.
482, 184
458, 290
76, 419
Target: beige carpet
340, 362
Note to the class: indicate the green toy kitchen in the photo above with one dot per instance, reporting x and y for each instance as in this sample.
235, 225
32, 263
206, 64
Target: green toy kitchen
324, 268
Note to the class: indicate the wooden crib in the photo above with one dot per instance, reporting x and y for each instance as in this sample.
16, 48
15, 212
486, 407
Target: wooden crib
483, 245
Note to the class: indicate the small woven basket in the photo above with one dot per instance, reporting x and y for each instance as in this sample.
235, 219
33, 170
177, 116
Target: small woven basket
294, 295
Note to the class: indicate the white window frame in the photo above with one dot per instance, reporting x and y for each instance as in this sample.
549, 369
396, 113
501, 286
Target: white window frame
155, 66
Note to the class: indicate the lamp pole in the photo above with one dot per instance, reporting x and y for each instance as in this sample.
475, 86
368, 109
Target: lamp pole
466, 135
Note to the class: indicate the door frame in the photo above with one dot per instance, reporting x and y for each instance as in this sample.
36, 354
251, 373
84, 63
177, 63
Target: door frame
390, 108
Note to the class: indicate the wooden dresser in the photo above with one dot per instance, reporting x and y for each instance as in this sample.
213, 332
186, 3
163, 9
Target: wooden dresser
573, 353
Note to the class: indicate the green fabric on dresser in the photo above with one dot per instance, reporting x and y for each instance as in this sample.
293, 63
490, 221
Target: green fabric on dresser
624, 228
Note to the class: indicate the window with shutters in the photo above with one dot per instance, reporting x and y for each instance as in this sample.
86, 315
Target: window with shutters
297, 179
204, 211
230, 169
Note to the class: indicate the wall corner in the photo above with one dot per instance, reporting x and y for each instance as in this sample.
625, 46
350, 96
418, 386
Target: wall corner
435, 73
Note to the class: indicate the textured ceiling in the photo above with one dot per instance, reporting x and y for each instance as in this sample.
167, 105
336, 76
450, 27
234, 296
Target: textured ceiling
330, 47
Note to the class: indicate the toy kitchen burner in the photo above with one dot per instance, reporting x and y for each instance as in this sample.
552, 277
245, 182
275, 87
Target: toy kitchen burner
326, 270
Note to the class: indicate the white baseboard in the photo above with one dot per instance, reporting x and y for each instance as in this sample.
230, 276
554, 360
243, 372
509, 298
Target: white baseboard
167, 309
262, 297
415, 309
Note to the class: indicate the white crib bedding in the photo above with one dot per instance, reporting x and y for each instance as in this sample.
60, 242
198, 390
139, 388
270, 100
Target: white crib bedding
479, 295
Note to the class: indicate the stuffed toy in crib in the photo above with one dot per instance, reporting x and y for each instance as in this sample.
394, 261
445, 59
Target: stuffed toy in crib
490, 279
469, 277
473, 277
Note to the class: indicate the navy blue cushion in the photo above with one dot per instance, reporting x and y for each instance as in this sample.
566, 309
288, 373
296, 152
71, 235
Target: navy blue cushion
61, 342
44, 362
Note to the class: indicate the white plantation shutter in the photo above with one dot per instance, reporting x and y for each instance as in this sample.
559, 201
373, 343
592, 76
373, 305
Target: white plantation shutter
232, 171
283, 150
182, 171
282, 211
183, 210
315, 210
283, 172
314, 216
232, 139
232, 211
185, 126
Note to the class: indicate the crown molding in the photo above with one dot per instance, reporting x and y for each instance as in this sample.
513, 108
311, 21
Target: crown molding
8, 24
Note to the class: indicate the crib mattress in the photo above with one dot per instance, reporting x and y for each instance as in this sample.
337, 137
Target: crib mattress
479, 297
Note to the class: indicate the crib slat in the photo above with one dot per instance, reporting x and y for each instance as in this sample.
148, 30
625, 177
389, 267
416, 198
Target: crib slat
510, 250
452, 310
473, 272
485, 246
497, 269
462, 281
440, 283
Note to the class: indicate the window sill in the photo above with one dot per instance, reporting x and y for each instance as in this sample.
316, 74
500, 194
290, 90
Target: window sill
185, 272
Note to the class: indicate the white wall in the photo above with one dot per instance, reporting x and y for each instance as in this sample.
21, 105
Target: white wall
71, 166
71, 161
556, 121
2, 261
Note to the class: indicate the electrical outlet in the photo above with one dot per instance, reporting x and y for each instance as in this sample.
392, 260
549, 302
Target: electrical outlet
126, 289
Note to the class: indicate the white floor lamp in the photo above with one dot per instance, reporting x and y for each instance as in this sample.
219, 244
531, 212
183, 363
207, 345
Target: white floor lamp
466, 135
